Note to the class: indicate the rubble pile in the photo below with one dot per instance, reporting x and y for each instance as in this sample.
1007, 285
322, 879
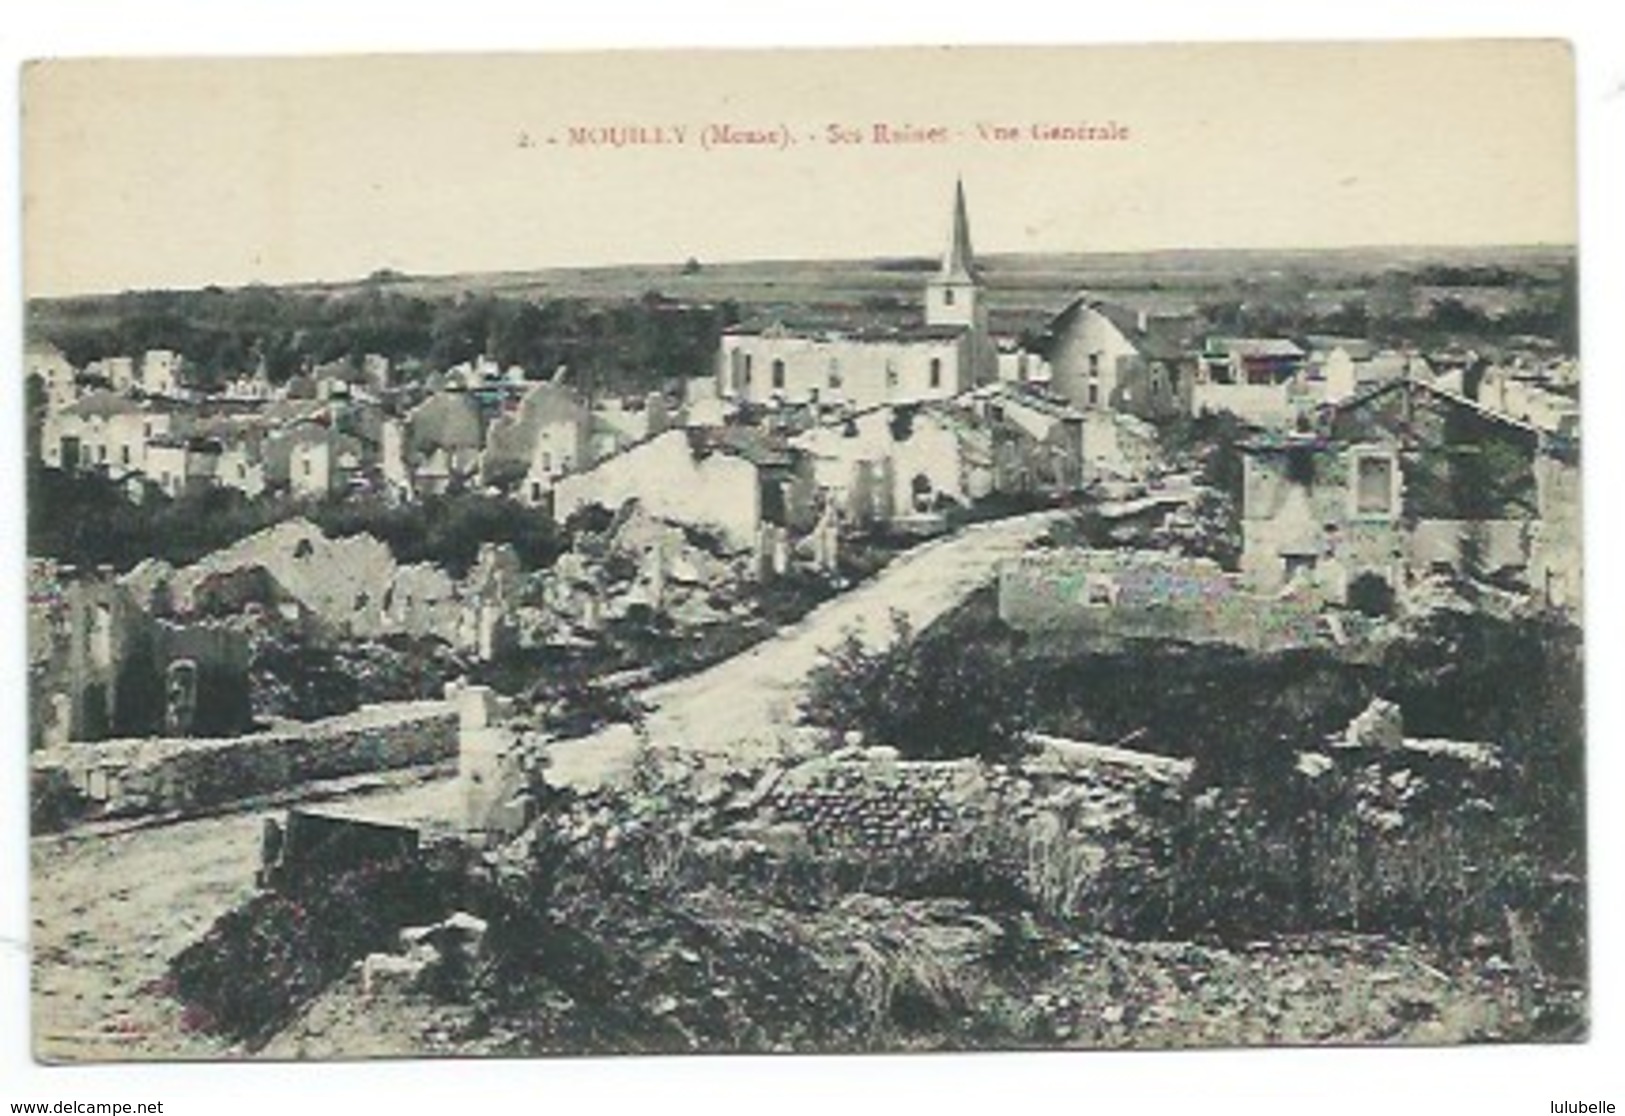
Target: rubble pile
441, 956
259, 963
1390, 781
639, 564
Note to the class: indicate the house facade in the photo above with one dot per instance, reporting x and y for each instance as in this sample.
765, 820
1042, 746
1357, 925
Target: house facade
56, 377
1102, 356
182, 466
161, 373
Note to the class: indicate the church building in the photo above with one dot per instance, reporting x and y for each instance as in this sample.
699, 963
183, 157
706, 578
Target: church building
949, 353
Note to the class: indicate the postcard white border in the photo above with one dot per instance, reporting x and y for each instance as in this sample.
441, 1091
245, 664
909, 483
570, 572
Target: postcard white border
1481, 1080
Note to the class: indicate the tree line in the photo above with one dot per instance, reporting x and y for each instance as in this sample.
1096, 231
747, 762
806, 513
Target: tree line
626, 345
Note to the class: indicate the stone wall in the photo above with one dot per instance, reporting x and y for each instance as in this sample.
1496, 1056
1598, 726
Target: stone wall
1264, 404
1107, 598
870, 801
157, 775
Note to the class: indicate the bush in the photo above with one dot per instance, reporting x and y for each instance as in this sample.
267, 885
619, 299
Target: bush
1371, 595
932, 697
54, 800
1447, 869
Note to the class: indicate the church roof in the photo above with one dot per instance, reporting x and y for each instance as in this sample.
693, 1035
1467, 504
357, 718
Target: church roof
874, 333
959, 263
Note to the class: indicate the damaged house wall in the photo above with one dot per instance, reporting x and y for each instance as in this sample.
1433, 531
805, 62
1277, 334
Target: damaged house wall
1396, 484
342, 581
1303, 521
1556, 569
106, 667
346, 587
895, 462
704, 488
1036, 443
549, 433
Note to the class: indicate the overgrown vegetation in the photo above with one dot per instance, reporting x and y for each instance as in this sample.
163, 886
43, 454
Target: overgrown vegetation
1260, 848
1404, 845
260, 962
927, 697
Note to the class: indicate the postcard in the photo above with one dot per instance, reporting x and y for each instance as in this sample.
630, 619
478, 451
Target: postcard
804, 551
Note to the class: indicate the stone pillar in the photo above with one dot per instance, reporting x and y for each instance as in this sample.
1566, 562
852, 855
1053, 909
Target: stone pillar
592, 609
490, 628
781, 551
476, 707
763, 554
826, 539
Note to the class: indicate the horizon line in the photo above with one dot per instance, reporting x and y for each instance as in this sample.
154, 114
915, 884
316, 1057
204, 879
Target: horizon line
398, 275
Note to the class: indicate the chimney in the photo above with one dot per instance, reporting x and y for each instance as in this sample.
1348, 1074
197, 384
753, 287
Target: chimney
1142, 319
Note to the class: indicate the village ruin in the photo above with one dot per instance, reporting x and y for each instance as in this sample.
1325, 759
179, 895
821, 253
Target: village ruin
895, 673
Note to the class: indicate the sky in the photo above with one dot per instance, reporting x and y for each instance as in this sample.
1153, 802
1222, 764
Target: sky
185, 172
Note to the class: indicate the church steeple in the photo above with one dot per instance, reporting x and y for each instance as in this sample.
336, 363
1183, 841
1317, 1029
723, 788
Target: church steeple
953, 297
958, 263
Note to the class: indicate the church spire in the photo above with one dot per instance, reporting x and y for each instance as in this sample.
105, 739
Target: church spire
959, 265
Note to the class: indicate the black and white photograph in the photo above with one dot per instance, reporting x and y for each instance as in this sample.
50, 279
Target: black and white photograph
804, 551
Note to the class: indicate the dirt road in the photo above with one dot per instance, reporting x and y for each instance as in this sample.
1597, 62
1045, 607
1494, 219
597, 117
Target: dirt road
110, 906
745, 700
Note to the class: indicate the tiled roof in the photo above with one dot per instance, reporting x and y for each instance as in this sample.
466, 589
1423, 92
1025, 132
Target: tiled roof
867, 334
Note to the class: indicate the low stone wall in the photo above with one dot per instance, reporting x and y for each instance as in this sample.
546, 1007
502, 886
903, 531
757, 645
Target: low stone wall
1105, 599
878, 802
156, 775
1265, 404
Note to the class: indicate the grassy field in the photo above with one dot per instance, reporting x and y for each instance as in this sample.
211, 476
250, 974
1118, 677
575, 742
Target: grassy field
1024, 290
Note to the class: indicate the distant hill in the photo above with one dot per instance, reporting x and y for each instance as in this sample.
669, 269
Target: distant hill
1014, 277
675, 308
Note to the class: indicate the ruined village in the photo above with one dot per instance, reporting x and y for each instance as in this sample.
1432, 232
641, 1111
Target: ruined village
889, 672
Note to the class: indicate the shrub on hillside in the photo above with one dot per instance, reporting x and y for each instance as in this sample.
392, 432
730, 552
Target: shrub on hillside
930, 697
